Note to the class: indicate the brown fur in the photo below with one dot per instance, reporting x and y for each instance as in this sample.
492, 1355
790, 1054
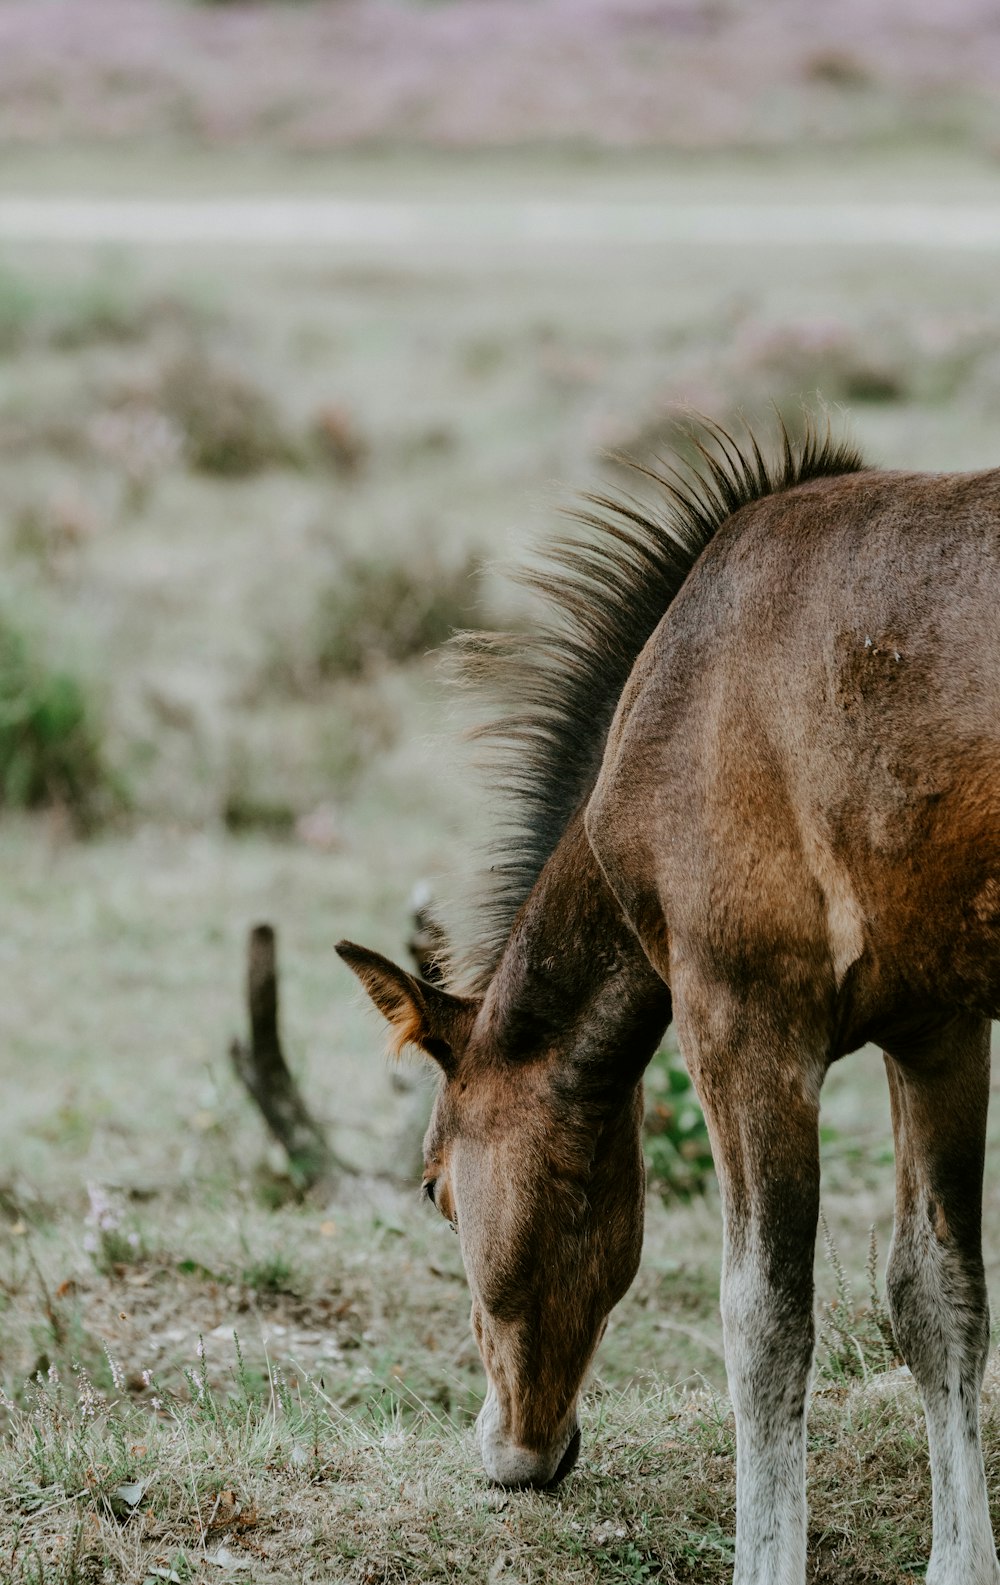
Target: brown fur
778, 813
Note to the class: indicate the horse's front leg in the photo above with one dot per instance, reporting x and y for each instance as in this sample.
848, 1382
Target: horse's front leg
759, 1085
937, 1289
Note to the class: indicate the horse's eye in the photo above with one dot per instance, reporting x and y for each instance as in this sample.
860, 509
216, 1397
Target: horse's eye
429, 1185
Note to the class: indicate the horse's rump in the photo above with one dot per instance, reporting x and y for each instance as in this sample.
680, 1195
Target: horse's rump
806, 758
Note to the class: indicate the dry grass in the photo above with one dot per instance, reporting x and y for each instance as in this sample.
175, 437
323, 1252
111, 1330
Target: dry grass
274, 1479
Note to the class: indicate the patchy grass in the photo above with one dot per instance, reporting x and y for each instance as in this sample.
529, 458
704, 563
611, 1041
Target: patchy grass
271, 1477
261, 1443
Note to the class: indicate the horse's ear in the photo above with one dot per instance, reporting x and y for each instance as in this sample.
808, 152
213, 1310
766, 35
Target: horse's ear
419, 1014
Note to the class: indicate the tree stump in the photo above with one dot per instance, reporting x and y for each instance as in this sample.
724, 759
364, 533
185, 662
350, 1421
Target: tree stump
262, 1069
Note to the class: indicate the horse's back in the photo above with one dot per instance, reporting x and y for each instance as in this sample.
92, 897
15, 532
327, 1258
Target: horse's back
806, 761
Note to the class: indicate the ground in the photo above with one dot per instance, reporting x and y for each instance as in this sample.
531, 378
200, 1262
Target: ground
236, 595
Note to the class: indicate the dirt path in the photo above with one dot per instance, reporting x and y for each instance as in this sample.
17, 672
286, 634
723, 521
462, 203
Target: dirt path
518, 225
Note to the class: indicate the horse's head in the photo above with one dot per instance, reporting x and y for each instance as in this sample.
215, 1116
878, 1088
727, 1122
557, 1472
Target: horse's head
540, 1173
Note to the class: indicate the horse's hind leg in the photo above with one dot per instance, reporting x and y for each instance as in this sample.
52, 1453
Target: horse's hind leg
935, 1281
758, 1076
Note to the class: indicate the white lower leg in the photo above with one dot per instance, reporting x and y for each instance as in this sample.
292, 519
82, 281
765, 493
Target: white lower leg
941, 1319
770, 1506
939, 1086
963, 1551
768, 1355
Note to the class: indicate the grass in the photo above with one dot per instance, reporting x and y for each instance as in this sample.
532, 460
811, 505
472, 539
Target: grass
258, 638
357, 1301
271, 1476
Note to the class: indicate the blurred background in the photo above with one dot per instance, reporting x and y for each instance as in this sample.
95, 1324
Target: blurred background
313, 315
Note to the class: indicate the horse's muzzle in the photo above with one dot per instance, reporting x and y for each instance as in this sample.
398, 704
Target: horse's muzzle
508, 1465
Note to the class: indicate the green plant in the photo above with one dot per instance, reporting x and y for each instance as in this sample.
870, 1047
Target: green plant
271, 1273
676, 1143
51, 750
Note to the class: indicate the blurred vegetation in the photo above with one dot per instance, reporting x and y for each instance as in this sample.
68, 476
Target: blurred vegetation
238, 489
378, 611
321, 77
103, 305
229, 423
675, 1141
51, 733
890, 362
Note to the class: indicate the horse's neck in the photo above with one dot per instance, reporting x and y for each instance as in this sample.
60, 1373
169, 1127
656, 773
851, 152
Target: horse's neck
573, 964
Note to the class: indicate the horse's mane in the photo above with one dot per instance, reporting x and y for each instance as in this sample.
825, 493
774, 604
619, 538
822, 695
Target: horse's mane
605, 588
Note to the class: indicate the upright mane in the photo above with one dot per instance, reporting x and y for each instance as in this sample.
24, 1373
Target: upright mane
605, 588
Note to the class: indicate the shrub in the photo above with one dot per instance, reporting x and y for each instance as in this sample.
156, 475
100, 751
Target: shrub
50, 739
96, 309
832, 358
229, 425
379, 611
676, 1145
340, 441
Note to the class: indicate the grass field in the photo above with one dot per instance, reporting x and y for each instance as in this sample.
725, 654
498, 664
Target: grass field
242, 494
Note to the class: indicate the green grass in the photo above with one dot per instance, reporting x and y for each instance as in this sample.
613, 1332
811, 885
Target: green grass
290, 756
51, 750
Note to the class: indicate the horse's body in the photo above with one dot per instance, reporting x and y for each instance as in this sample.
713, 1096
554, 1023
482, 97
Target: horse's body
788, 840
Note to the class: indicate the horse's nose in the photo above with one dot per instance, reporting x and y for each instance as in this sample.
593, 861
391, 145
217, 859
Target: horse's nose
506, 1464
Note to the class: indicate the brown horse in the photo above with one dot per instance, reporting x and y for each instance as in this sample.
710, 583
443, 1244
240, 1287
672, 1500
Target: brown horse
756, 763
